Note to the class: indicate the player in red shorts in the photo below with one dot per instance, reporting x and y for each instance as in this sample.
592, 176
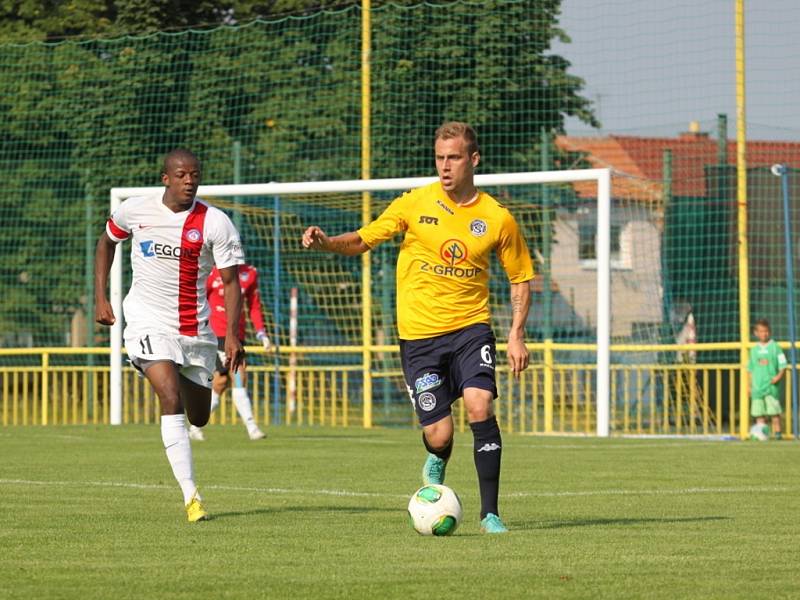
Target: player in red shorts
248, 281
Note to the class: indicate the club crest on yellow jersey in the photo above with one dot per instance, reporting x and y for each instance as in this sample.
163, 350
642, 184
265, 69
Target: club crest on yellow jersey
478, 227
445, 258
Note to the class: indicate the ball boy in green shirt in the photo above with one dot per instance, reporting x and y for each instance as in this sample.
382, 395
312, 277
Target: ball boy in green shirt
766, 366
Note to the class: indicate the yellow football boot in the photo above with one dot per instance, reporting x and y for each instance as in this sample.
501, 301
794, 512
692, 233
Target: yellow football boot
195, 511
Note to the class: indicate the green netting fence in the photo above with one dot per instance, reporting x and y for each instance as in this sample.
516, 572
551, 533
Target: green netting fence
281, 101
81, 117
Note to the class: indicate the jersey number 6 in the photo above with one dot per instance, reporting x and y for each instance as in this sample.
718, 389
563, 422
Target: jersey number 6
486, 355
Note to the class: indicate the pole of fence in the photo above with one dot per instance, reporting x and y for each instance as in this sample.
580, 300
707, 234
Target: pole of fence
782, 171
741, 220
276, 308
547, 245
88, 206
547, 292
366, 208
45, 386
387, 283
291, 382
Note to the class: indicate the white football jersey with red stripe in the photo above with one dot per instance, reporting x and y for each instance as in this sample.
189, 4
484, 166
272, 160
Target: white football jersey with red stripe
171, 257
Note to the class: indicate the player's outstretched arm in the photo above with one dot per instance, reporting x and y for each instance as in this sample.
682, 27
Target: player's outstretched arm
103, 257
346, 244
234, 353
252, 299
520, 304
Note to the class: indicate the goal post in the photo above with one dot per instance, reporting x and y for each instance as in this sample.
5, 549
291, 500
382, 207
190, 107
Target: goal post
601, 177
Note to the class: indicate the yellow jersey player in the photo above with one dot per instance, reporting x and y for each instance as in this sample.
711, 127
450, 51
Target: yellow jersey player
447, 346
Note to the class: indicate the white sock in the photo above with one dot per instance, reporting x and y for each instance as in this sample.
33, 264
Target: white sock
214, 401
179, 453
242, 402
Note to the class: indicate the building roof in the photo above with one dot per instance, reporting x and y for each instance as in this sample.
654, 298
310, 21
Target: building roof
638, 161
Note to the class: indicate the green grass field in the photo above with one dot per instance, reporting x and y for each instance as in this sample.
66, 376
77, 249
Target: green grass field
320, 513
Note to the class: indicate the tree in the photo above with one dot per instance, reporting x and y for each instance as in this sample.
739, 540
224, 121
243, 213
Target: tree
83, 116
149, 16
39, 20
452, 64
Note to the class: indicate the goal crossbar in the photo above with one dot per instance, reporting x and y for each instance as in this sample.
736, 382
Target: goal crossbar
368, 185
602, 177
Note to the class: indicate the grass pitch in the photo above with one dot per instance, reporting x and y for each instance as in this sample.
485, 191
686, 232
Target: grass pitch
320, 513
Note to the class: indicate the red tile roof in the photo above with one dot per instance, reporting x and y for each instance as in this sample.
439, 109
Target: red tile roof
638, 161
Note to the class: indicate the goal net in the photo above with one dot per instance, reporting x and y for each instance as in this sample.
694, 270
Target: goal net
327, 367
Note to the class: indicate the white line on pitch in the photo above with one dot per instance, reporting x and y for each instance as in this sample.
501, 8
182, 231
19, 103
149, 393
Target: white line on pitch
352, 494
667, 443
679, 492
231, 488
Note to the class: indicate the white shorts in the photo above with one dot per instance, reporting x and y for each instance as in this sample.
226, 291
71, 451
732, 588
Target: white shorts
195, 356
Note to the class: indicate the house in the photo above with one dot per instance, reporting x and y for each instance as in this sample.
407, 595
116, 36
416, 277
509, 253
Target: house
673, 231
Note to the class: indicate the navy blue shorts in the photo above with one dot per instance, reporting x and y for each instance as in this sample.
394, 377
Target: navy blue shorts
438, 369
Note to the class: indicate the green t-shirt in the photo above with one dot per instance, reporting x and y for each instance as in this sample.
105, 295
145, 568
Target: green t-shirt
765, 362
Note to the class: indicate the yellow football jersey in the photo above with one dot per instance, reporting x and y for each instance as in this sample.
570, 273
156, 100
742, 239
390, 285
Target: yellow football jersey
443, 265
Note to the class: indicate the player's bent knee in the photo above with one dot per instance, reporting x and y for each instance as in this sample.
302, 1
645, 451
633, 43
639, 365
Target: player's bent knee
170, 405
439, 434
480, 413
479, 404
198, 413
438, 441
198, 420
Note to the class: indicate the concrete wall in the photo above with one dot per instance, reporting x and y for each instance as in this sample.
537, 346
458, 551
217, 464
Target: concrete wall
636, 290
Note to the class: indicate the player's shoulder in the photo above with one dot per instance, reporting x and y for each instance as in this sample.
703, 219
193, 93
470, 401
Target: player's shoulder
138, 202
432, 189
214, 216
211, 210
492, 203
496, 209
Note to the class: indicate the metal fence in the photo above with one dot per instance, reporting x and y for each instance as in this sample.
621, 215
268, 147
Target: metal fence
548, 398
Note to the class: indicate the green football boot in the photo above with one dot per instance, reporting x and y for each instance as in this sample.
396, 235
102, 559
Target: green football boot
491, 523
433, 470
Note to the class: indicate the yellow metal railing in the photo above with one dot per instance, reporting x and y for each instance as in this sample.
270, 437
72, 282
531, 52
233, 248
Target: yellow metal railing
657, 399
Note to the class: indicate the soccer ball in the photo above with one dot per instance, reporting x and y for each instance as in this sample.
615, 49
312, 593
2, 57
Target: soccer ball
759, 432
434, 510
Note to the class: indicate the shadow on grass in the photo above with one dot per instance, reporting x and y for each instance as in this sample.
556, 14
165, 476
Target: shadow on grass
299, 509
561, 524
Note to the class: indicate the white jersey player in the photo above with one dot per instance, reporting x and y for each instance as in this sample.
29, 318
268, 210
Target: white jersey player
176, 239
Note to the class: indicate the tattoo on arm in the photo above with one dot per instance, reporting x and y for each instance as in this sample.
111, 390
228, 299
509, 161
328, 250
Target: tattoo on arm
338, 245
347, 244
516, 304
520, 304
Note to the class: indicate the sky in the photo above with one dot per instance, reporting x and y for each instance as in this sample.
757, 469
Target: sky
652, 66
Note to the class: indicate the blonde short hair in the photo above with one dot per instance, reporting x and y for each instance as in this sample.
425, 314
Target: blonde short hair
454, 129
